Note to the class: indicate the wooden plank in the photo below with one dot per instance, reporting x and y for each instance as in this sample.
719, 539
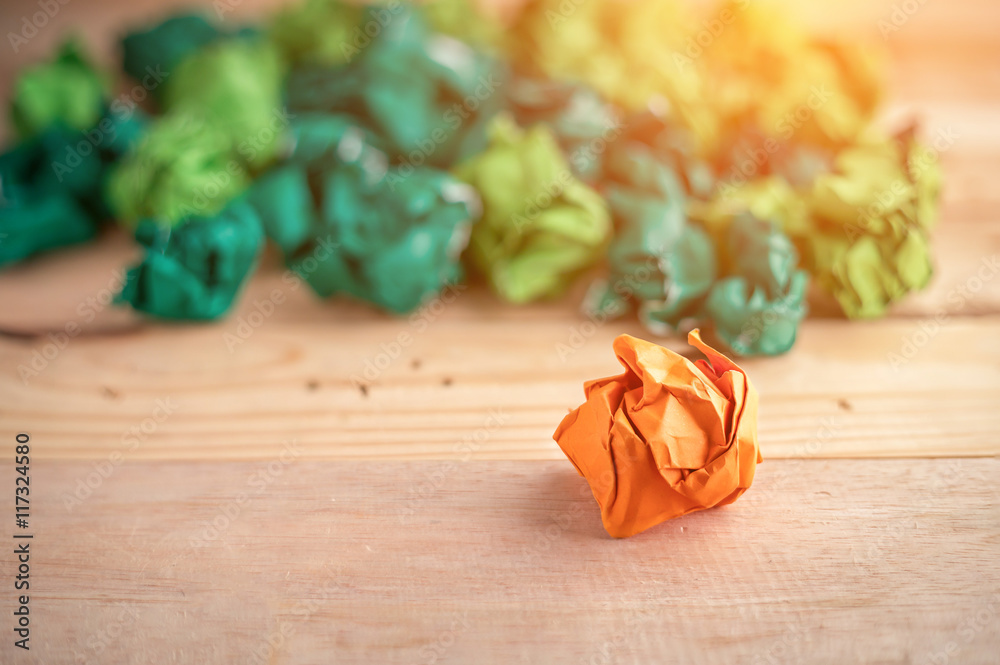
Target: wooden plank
372, 386
834, 562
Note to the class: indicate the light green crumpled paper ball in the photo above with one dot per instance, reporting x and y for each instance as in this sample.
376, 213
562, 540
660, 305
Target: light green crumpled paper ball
67, 91
183, 167
234, 85
541, 227
868, 245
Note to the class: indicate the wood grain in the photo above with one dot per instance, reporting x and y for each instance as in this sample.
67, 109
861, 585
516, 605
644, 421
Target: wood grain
420, 562
380, 387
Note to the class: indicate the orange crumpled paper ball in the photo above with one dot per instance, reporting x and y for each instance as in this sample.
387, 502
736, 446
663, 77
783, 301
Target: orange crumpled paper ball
666, 438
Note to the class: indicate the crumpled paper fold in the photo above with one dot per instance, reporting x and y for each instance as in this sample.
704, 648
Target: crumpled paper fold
194, 269
541, 226
666, 438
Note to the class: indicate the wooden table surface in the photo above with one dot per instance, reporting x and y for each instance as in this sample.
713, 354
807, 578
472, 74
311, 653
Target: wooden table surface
300, 484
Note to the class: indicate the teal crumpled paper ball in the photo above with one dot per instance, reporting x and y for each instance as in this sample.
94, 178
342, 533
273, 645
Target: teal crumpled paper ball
348, 222
658, 262
429, 96
757, 308
52, 185
194, 269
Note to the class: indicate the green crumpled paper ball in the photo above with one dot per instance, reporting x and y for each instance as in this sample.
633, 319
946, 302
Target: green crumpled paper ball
67, 91
475, 23
428, 96
657, 261
158, 50
868, 244
541, 227
582, 122
234, 85
51, 185
319, 32
183, 167
194, 270
37, 212
348, 222
757, 307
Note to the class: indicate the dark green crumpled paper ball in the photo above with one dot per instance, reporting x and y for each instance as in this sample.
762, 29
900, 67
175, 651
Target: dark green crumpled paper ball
428, 96
194, 270
37, 213
348, 222
158, 50
51, 185
757, 307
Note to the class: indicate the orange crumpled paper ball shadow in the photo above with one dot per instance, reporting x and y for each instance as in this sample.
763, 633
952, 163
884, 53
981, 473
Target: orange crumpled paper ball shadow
666, 438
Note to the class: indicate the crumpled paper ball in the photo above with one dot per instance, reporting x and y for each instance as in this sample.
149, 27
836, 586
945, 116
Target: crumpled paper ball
582, 122
768, 78
68, 91
235, 85
37, 212
757, 308
665, 438
162, 47
320, 32
667, 142
51, 185
428, 96
657, 260
541, 226
183, 167
348, 222
869, 244
480, 25
626, 50
194, 269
